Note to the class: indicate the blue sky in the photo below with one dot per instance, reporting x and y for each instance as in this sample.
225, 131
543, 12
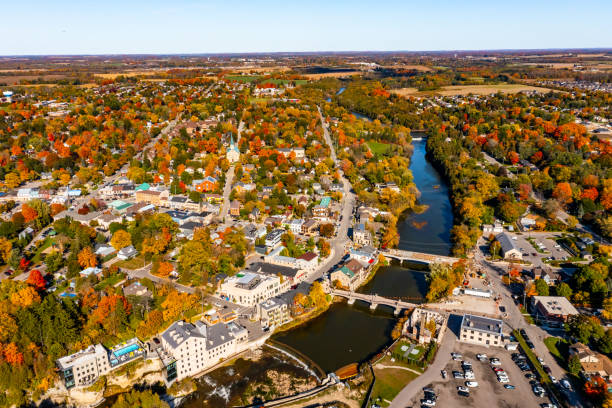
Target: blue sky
202, 26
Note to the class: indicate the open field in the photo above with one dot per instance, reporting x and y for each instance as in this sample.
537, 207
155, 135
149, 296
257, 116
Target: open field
113, 75
421, 68
15, 79
260, 70
455, 90
332, 74
243, 78
378, 148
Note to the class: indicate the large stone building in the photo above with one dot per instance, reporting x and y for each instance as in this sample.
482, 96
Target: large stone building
196, 347
481, 330
361, 236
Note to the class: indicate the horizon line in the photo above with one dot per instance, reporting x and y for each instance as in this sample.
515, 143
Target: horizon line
290, 53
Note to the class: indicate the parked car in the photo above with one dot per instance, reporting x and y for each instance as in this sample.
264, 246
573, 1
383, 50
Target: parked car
509, 387
469, 375
463, 389
428, 403
458, 375
566, 384
443, 372
471, 384
495, 362
482, 357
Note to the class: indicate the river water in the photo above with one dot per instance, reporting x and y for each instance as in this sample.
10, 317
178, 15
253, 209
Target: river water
347, 334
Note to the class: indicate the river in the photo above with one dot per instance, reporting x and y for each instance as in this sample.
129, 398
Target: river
346, 333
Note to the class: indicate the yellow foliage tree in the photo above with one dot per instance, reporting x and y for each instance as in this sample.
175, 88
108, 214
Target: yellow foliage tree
121, 239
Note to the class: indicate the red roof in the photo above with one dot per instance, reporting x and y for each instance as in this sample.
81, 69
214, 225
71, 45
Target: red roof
308, 256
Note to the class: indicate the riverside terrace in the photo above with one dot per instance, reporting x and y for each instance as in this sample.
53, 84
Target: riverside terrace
125, 352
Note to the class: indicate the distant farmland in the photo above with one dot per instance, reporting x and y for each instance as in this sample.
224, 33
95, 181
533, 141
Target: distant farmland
455, 90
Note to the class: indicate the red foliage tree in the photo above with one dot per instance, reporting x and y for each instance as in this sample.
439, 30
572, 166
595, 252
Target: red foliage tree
36, 280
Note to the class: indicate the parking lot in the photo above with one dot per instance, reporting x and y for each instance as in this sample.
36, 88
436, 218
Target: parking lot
532, 255
489, 393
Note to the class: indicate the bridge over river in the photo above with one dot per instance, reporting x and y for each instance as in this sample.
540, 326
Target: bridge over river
374, 300
420, 257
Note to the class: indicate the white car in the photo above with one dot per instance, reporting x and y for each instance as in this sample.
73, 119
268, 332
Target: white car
503, 380
495, 362
461, 388
471, 384
481, 357
469, 375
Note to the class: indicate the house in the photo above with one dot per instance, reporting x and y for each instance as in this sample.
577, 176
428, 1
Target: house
233, 154
127, 253
481, 330
496, 228
295, 226
350, 275
419, 326
105, 220
235, 208
207, 184
138, 208
255, 213
104, 250
90, 271
509, 249
137, 289
553, 307
365, 255
188, 229
309, 227
592, 362
361, 236
321, 210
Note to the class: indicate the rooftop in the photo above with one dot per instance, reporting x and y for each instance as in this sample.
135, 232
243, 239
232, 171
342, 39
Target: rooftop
556, 305
483, 324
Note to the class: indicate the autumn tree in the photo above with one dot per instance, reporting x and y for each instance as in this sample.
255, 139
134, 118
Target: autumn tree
36, 280
121, 239
86, 258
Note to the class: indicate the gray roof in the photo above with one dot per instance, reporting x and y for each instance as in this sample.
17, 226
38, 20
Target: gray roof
482, 324
180, 331
272, 269
506, 243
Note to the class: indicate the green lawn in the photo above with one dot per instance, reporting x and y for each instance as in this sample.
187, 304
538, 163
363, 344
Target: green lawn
559, 348
389, 382
243, 78
110, 281
378, 148
134, 263
46, 244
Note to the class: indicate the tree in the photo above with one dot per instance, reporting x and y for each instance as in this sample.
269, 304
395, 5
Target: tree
327, 230
87, 259
54, 261
573, 365
29, 214
12, 180
317, 295
563, 193
6, 247
494, 248
563, 289
121, 239
112, 313
164, 269
177, 303
36, 280
142, 399
541, 287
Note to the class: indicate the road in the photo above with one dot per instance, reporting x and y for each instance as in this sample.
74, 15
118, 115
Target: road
229, 182
340, 243
432, 373
515, 320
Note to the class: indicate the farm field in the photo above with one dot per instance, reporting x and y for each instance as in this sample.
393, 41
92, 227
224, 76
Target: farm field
332, 74
421, 68
455, 90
